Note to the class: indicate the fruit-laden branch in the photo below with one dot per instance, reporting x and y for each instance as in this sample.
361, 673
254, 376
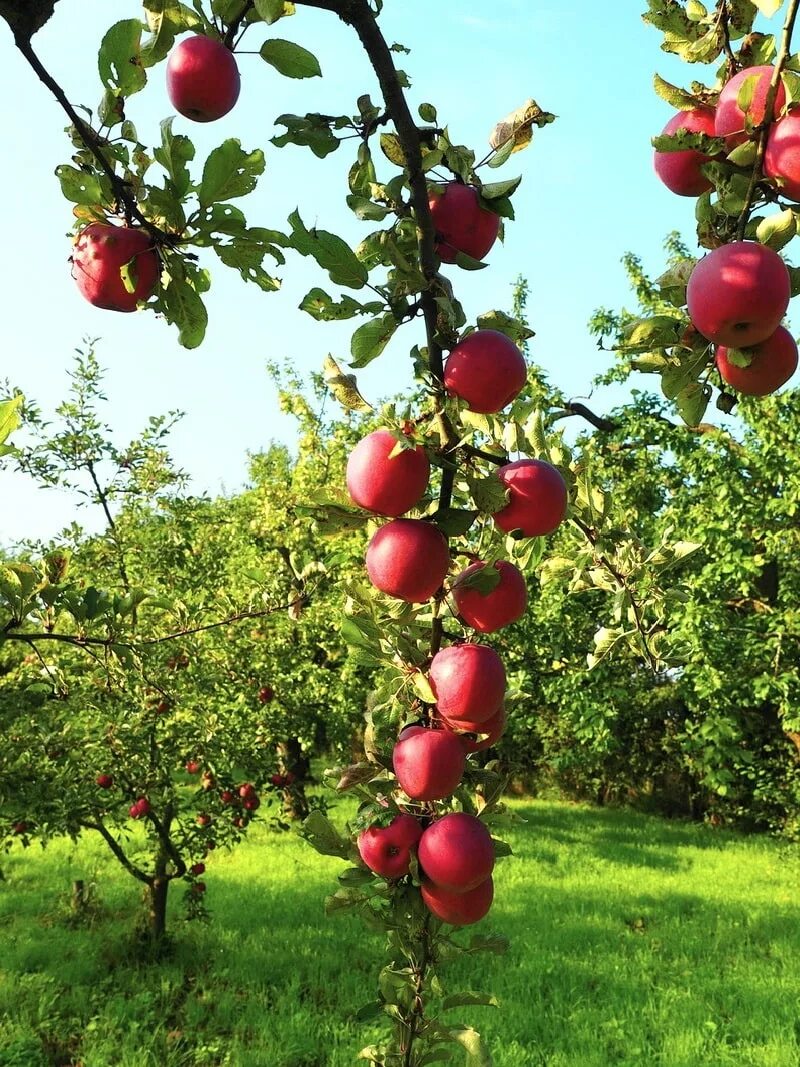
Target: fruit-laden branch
122, 190
769, 109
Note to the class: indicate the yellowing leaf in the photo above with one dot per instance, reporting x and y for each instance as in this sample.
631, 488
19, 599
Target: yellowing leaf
518, 126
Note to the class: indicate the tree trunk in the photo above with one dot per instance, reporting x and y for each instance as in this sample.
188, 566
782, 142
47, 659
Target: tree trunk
296, 764
157, 912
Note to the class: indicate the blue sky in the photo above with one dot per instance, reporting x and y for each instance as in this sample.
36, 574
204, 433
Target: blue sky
589, 194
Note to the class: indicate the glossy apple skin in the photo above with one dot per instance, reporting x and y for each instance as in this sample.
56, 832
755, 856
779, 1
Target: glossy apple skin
458, 909
487, 370
386, 850
383, 485
782, 157
202, 79
468, 681
680, 171
101, 251
461, 224
408, 559
538, 501
729, 119
738, 294
456, 852
774, 363
493, 728
429, 764
487, 612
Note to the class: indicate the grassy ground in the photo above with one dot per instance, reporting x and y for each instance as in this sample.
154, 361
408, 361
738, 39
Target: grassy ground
634, 942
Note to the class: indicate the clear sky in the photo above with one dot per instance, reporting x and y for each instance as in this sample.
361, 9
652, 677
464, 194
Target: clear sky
589, 194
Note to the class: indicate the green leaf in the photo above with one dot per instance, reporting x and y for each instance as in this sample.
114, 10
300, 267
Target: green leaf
229, 172
174, 152
474, 1046
330, 251
423, 688
343, 386
776, 231
290, 59
165, 20
692, 402
370, 339
119, 62
323, 308
323, 836
496, 190
489, 494
366, 209
458, 1000
427, 112
518, 331
739, 357
312, 131
79, 187
270, 11
455, 522
182, 305
354, 876
10, 417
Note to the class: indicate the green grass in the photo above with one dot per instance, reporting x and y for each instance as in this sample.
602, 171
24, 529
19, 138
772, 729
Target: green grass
633, 942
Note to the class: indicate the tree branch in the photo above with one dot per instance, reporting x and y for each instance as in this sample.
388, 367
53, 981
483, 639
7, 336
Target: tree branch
116, 848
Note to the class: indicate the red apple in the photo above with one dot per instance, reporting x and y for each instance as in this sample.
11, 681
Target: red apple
163, 707
408, 559
105, 781
493, 728
729, 121
202, 79
208, 781
456, 852
227, 797
266, 694
203, 819
139, 808
680, 171
409, 731
386, 850
499, 607
383, 485
20, 827
247, 789
197, 868
101, 251
252, 803
199, 887
468, 681
782, 157
487, 370
429, 764
538, 498
774, 362
458, 909
738, 294
192, 767
461, 223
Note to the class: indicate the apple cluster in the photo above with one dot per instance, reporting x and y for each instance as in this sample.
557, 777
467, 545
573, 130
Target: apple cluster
738, 294
408, 558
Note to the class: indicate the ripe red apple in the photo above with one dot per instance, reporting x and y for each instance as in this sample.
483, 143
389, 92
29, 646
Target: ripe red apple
408, 559
729, 121
139, 808
247, 789
278, 780
105, 781
487, 370
227, 797
239, 821
383, 485
460, 221
738, 294
782, 157
203, 819
208, 781
429, 764
458, 909
456, 852
487, 612
197, 868
493, 728
386, 850
192, 767
680, 171
198, 887
409, 731
266, 694
538, 498
468, 681
251, 803
101, 251
202, 79
774, 363
163, 707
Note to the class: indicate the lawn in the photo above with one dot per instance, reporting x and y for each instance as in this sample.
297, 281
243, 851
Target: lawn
633, 941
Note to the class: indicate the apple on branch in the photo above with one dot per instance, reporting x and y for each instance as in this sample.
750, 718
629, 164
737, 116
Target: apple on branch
772, 364
730, 121
429, 764
202, 78
537, 501
384, 477
461, 222
100, 253
408, 559
498, 606
468, 681
458, 909
680, 171
386, 850
456, 852
487, 370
